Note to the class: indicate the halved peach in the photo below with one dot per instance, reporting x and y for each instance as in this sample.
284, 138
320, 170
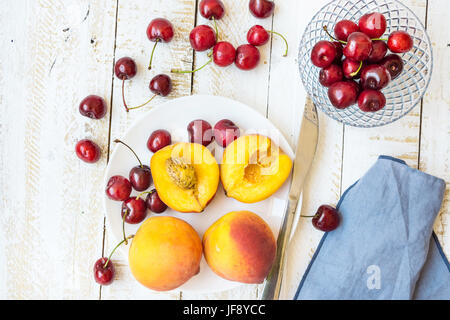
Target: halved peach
253, 168
186, 176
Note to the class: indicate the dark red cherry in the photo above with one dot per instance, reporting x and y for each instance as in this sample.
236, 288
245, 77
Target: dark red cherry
375, 77
326, 218
224, 54
93, 107
358, 47
247, 57
88, 151
135, 210
344, 28
379, 49
343, 94
104, 275
330, 75
400, 42
257, 35
372, 24
161, 85
351, 68
158, 140
154, 203
202, 38
118, 188
140, 177
323, 54
212, 9
160, 29
371, 100
394, 64
225, 132
261, 8
200, 131
125, 68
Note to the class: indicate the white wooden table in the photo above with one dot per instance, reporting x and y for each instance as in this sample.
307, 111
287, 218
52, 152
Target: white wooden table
55, 52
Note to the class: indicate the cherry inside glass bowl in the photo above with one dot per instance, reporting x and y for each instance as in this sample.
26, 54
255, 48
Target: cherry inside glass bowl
403, 93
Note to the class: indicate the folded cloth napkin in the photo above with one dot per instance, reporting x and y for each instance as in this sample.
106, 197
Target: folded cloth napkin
385, 247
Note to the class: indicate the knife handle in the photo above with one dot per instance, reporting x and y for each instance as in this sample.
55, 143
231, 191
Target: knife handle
273, 282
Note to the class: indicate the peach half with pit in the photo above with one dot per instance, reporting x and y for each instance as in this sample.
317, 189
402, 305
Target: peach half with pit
186, 176
253, 168
241, 247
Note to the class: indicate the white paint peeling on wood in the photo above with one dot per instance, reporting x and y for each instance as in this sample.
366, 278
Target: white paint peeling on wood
48, 245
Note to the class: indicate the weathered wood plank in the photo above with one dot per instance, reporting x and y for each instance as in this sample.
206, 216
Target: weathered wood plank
435, 133
133, 19
250, 87
51, 222
285, 109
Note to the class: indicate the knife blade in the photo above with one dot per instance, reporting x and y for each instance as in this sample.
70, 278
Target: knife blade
304, 155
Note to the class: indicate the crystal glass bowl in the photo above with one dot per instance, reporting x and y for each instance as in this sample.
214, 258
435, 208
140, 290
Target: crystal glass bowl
403, 93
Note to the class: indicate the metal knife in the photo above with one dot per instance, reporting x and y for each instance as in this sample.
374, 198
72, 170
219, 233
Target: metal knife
304, 155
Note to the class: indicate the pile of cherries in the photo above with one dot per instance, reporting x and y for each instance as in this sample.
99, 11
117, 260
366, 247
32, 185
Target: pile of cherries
223, 54
358, 52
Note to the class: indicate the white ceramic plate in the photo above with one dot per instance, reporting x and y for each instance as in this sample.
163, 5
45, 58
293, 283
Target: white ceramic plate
174, 116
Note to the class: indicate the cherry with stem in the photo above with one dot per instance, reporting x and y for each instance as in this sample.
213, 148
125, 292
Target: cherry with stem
159, 30
125, 69
137, 107
140, 175
258, 36
160, 85
325, 28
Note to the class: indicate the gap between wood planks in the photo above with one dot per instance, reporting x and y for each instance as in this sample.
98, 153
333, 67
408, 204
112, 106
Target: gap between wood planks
421, 100
109, 127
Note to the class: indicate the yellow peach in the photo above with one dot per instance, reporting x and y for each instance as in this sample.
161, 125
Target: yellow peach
165, 253
241, 247
186, 176
253, 168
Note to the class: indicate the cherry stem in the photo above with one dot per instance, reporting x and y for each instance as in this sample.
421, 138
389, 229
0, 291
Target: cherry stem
285, 41
123, 226
307, 216
145, 103
142, 193
356, 72
123, 95
381, 39
118, 245
151, 56
326, 30
119, 141
215, 27
192, 71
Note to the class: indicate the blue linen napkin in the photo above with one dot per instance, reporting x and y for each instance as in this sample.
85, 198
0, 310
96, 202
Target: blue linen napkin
385, 247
